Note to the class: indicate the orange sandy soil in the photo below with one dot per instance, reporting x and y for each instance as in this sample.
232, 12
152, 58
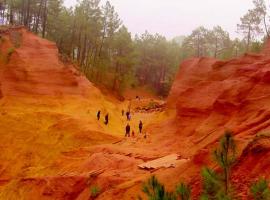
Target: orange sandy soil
51, 141
50, 138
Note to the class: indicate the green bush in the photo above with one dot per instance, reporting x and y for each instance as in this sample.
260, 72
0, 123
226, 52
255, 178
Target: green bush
183, 191
10, 51
156, 191
94, 191
211, 184
260, 190
225, 156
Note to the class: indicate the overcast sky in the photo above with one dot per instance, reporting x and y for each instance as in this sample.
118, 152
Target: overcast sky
178, 17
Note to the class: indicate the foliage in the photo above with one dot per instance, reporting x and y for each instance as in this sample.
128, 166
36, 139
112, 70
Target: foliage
213, 188
226, 157
156, 191
183, 191
94, 191
10, 51
260, 190
157, 61
93, 36
217, 185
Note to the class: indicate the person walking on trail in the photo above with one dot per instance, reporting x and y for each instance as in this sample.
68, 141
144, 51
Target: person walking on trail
127, 130
106, 119
98, 115
127, 114
140, 126
123, 112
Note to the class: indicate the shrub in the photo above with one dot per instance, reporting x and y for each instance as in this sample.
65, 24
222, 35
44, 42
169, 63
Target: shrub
211, 184
217, 185
226, 157
94, 191
156, 191
10, 51
260, 190
183, 191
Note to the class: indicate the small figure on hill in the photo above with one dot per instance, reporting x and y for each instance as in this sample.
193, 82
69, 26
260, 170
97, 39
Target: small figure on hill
137, 97
98, 115
127, 114
140, 126
133, 133
129, 117
106, 119
123, 112
144, 136
127, 130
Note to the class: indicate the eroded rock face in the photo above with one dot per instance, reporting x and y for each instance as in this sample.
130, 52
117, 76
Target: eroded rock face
34, 68
211, 96
233, 94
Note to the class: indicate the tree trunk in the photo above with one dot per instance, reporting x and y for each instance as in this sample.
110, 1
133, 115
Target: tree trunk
11, 13
216, 46
44, 19
115, 76
265, 26
38, 16
248, 38
198, 46
27, 24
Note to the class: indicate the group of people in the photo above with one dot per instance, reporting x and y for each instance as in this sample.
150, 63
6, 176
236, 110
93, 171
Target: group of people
133, 133
106, 122
128, 129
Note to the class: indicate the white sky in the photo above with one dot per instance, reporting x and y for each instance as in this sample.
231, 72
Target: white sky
178, 17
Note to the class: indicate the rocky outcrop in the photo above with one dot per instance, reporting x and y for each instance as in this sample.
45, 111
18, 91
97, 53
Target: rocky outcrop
33, 67
233, 94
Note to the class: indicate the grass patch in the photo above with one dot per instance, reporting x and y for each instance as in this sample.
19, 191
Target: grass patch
94, 191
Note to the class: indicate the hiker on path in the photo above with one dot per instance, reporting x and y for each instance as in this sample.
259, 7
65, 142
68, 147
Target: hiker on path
106, 119
123, 112
127, 114
98, 115
140, 126
127, 130
144, 136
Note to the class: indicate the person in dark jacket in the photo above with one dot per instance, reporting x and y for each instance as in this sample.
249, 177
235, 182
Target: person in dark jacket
106, 119
127, 114
140, 126
127, 130
98, 115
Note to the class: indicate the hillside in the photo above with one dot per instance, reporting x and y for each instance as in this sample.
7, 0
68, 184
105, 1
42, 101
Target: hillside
48, 121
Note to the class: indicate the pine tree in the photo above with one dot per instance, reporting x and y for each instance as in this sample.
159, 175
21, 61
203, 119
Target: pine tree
156, 191
260, 190
226, 157
183, 191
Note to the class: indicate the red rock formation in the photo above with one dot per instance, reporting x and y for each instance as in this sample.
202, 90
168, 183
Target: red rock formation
27, 72
211, 96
